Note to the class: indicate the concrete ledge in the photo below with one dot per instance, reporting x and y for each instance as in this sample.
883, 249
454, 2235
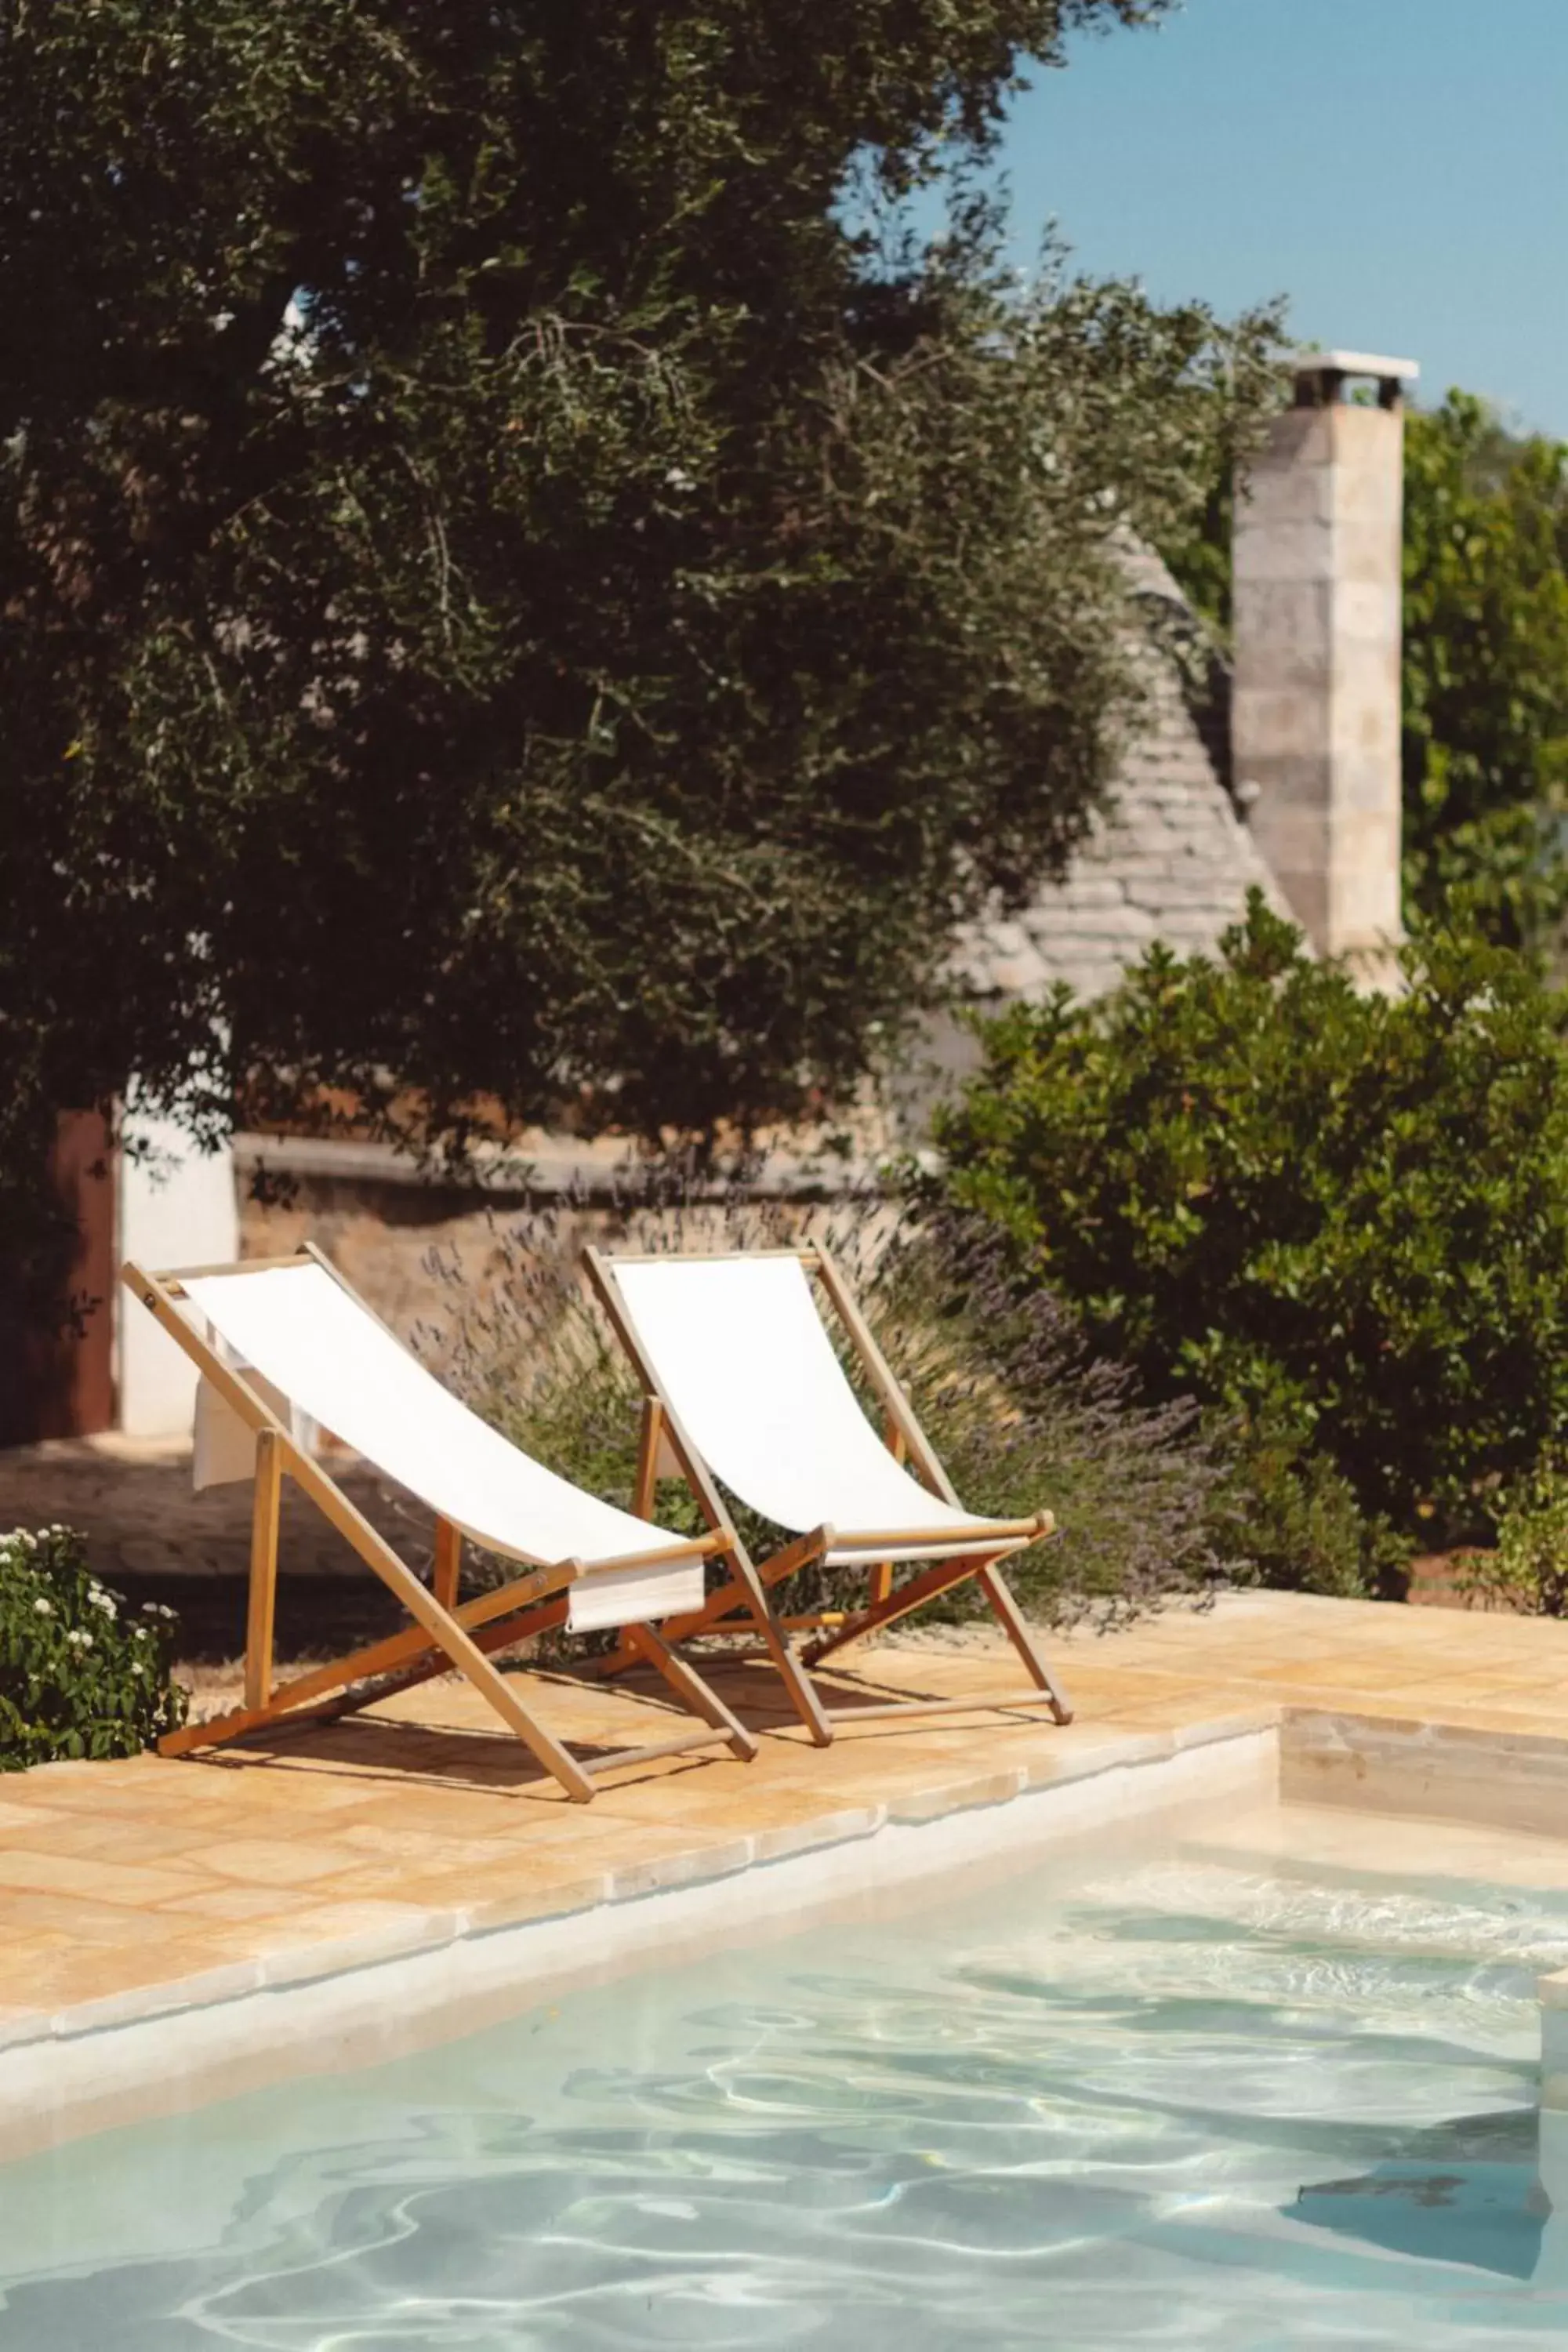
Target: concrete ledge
431, 1975
1448, 1772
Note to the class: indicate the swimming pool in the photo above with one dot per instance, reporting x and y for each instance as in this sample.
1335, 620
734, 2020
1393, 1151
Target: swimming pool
1160, 2097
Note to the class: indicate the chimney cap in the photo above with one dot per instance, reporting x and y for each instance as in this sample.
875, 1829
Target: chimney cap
1320, 377
1354, 363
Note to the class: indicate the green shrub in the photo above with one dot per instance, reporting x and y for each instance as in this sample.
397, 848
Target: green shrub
1529, 1570
78, 1676
1343, 1216
1299, 1528
1022, 1415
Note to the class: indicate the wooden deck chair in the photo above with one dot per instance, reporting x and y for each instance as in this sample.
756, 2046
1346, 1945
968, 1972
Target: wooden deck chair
277, 1338
742, 1383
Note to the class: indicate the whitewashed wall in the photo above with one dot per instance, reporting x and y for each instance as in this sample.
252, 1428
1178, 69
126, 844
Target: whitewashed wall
177, 1207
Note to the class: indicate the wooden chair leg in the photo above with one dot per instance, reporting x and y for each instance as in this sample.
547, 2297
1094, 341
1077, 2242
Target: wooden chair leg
746, 1590
803, 1697
624, 1653
882, 1574
647, 1458
261, 1608
1015, 1624
691, 1688
443, 1627
448, 1569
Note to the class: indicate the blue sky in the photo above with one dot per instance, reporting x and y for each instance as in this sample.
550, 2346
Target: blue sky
1398, 168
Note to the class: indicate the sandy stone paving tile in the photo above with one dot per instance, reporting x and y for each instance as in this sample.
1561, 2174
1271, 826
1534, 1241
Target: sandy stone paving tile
30, 1818
237, 1904
98, 1975
153, 1837
275, 1862
1534, 1722
390, 1843
105, 1881
1320, 1676
77, 1920
322, 1921
1509, 1680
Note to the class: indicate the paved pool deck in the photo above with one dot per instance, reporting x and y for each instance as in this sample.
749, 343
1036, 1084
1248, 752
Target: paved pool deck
130, 1889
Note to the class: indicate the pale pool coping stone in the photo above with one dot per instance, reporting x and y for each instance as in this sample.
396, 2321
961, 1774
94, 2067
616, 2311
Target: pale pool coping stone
1495, 1775
1311, 1724
356, 1999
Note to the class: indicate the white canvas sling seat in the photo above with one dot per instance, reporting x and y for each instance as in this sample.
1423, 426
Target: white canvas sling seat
277, 1341
744, 1385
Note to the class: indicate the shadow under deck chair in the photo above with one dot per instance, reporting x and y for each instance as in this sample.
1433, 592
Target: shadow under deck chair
742, 1383
278, 1337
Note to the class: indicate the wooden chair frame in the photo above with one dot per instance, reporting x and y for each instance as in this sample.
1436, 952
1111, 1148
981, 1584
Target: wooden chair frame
746, 1593
445, 1632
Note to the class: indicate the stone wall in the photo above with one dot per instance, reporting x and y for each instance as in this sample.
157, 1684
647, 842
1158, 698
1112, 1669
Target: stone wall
391, 1234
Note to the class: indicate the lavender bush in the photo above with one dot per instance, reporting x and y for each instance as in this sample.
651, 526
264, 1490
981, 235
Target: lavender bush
1020, 1412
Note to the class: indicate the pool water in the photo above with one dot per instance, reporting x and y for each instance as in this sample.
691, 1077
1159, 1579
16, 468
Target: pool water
1164, 2097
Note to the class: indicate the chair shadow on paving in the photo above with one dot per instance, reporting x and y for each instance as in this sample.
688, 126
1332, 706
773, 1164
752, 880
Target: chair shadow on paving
595, 1719
478, 1756
436, 1756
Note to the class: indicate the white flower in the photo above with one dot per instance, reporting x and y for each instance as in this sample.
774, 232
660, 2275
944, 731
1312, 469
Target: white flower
678, 479
42, 1608
104, 1600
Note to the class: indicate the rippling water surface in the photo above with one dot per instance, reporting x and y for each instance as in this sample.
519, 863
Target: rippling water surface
1162, 2100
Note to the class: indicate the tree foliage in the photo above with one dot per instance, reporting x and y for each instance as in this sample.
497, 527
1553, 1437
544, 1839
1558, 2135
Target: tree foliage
1344, 1217
511, 587
1486, 668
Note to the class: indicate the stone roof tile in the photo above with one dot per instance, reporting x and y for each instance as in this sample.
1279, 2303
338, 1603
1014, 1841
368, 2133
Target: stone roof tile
1168, 859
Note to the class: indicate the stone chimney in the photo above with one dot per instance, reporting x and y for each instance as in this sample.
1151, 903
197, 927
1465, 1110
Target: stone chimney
1315, 719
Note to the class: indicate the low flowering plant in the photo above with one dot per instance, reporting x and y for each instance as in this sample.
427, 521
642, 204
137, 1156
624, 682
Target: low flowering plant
80, 1673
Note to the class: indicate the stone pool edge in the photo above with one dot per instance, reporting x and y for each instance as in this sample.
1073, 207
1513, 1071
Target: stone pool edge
352, 2000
